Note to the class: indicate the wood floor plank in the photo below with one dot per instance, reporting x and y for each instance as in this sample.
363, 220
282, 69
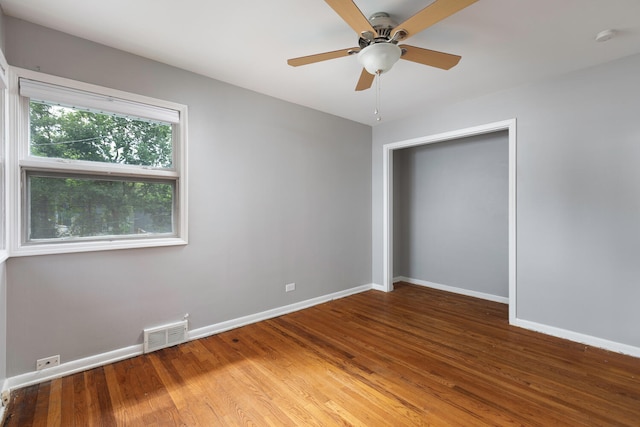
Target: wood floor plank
441, 408
42, 404
415, 356
54, 414
100, 409
276, 395
284, 375
248, 381
80, 404
184, 391
26, 398
119, 407
67, 412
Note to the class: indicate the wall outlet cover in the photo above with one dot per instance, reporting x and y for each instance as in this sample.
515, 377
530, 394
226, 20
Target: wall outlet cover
47, 362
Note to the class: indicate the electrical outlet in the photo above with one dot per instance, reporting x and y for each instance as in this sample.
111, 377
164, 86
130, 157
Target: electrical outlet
290, 287
47, 362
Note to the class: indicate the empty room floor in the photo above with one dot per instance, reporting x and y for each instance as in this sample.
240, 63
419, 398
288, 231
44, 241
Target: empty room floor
415, 356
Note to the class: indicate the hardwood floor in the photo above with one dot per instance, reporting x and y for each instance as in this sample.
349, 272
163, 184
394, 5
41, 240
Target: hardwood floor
412, 357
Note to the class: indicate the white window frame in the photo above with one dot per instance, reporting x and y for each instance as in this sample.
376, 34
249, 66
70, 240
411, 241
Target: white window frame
4, 85
19, 161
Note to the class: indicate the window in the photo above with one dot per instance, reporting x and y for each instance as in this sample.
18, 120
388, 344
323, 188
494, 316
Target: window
3, 132
95, 168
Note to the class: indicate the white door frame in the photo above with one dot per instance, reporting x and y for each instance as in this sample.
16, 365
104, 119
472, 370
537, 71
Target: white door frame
387, 198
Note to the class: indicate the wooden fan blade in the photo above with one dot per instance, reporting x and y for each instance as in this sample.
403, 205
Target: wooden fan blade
365, 81
304, 60
350, 13
435, 12
432, 58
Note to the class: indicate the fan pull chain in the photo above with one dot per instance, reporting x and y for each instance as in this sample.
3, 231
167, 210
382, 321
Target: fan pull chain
376, 112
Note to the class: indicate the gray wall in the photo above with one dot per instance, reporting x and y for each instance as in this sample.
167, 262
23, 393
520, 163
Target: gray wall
2, 37
451, 224
3, 322
578, 187
278, 193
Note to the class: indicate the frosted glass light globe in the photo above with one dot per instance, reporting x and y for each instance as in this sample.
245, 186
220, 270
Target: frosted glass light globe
379, 57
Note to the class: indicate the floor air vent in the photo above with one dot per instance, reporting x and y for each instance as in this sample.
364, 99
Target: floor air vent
165, 336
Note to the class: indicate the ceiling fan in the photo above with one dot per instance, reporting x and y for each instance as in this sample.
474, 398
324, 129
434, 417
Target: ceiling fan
378, 47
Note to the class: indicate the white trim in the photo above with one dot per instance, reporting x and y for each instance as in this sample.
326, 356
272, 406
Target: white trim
96, 89
12, 169
513, 200
578, 337
4, 138
377, 287
97, 360
5, 386
79, 167
4, 69
91, 362
269, 314
68, 368
4, 254
96, 245
3, 407
387, 218
533, 326
387, 198
453, 289
99, 102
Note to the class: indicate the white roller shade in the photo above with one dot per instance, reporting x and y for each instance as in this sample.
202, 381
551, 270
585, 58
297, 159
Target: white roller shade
60, 95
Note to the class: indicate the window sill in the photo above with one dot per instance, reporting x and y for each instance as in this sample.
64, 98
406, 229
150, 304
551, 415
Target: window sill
75, 247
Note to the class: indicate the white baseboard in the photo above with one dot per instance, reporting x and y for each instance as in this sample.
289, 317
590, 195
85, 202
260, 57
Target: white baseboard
380, 288
91, 362
537, 327
269, 314
578, 337
79, 365
5, 387
453, 289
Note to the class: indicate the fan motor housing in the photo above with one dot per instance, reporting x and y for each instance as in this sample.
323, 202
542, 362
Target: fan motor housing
383, 24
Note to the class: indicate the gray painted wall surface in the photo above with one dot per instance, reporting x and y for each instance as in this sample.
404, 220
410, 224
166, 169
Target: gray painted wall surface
278, 193
578, 187
451, 211
2, 37
3, 321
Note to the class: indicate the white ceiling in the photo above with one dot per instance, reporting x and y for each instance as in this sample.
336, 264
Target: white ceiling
503, 43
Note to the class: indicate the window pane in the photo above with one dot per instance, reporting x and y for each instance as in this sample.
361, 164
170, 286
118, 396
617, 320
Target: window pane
75, 134
63, 208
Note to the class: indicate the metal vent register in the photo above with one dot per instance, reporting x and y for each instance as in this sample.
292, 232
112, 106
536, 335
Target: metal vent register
165, 336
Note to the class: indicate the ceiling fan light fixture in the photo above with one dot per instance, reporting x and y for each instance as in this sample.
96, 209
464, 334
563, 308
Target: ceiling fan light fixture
379, 57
